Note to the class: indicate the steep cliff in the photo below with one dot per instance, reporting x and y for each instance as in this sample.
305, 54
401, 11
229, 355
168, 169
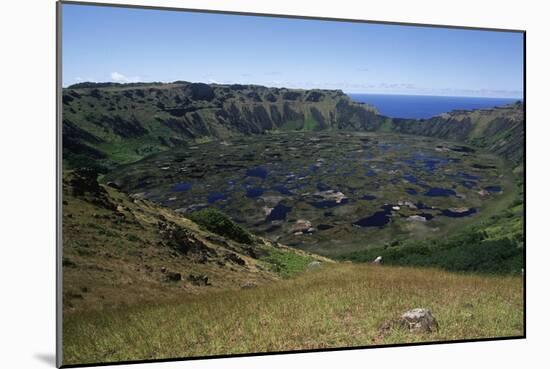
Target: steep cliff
111, 123
500, 129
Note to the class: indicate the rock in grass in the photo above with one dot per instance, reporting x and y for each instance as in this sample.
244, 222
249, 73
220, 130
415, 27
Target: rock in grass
235, 259
173, 276
378, 260
418, 320
314, 264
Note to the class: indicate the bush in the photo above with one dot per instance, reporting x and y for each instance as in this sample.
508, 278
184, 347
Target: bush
467, 251
217, 222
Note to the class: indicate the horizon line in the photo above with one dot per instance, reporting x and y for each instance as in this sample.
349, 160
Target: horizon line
298, 88
403, 94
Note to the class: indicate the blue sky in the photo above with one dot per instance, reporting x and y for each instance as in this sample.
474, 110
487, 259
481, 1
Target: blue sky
128, 45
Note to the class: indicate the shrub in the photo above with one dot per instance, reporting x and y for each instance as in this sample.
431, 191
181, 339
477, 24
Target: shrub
217, 222
467, 251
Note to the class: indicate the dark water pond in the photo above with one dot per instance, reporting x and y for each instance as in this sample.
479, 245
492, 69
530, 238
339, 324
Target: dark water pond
279, 212
439, 192
182, 187
482, 166
283, 190
259, 172
458, 214
215, 196
254, 192
410, 178
493, 189
324, 227
468, 184
378, 219
411, 191
468, 176
368, 197
462, 149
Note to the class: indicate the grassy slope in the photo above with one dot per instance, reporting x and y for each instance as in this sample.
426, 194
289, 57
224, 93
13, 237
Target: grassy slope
334, 306
114, 257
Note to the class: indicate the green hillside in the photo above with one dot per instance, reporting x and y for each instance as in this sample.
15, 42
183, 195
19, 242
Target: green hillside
119, 250
109, 123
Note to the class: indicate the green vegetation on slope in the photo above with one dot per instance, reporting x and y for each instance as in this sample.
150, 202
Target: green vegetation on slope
287, 264
219, 223
492, 246
337, 305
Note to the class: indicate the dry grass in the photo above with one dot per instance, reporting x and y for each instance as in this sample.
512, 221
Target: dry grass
114, 259
335, 306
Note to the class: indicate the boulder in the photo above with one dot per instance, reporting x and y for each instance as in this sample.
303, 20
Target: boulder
235, 259
416, 218
459, 210
301, 226
407, 203
418, 320
378, 260
483, 193
267, 210
331, 195
173, 276
315, 264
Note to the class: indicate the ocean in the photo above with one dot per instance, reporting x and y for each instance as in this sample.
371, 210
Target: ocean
423, 107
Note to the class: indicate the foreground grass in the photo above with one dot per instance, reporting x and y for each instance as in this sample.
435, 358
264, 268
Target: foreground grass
337, 305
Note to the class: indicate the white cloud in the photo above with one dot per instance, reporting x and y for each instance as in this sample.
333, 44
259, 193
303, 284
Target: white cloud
119, 77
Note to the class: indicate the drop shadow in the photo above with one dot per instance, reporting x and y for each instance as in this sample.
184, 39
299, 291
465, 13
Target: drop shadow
46, 358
